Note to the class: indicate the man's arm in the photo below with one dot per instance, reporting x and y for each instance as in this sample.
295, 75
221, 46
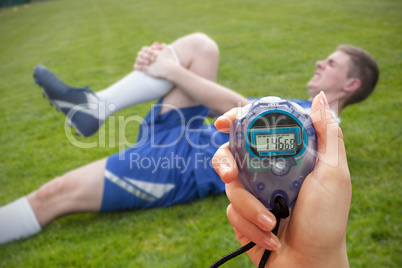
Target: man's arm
210, 94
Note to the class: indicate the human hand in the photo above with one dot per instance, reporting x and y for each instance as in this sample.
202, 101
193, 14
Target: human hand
146, 55
315, 233
154, 60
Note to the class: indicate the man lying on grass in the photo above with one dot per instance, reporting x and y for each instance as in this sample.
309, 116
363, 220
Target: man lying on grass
171, 162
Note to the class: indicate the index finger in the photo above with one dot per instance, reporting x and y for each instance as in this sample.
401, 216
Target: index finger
224, 164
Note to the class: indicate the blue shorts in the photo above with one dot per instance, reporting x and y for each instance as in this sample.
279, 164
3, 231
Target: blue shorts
170, 163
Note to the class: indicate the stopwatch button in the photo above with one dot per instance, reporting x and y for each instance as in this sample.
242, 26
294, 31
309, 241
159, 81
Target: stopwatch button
243, 112
299, 108
271, 99
260, 186
280, 167
239, 136
296, 185
310, 131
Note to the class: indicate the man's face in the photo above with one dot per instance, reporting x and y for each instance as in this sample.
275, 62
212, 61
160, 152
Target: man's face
330, 75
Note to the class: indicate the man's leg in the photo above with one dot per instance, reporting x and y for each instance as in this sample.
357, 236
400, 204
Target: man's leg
77, 191
87, 111
199, 54
195, 52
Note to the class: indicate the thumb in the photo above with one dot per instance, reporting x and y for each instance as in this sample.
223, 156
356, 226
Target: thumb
329, 135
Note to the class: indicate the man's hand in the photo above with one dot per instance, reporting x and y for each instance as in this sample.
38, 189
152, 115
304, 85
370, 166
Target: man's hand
155, 60
146, 56
315, 233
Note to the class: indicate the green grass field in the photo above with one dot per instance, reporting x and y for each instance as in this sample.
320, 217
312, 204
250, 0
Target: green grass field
267, 48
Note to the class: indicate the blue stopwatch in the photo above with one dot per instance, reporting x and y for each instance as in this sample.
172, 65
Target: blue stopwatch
275, 147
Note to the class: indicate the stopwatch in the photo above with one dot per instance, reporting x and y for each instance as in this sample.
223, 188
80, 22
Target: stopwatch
274, 144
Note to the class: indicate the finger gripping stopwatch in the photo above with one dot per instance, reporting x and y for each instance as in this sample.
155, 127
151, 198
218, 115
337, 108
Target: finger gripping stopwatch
275, 147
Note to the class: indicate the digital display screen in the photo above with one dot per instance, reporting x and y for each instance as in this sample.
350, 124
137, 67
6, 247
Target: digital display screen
269, 142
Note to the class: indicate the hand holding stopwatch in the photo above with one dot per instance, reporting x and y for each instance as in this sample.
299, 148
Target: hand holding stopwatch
274, 144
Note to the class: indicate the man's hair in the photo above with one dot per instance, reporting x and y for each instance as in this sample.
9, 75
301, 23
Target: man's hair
363, 67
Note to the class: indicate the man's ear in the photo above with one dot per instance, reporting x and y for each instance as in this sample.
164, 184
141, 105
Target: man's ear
352, 84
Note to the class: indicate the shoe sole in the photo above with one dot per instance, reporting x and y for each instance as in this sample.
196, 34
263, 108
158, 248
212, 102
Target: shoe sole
70, 124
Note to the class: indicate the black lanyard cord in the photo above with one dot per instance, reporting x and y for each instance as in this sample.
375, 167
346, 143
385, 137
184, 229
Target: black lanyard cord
232, 255
281, 211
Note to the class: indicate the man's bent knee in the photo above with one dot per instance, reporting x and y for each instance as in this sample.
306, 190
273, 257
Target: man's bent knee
196, 45
204, 43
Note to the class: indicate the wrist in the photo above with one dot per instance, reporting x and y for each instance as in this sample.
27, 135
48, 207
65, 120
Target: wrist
334, 258
171, 71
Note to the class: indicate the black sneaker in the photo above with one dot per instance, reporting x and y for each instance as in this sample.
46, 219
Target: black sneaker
80, 105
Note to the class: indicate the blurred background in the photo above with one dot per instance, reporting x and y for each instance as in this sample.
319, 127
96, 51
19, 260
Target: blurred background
267, 48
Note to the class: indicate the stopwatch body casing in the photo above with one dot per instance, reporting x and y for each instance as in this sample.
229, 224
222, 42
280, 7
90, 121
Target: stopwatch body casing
274, 144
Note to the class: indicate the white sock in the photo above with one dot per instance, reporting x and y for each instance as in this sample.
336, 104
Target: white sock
135, 88
17, 220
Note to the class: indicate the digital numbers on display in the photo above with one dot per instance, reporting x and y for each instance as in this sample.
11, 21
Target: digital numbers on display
275, 142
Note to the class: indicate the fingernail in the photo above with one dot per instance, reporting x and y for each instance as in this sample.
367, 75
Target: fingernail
274, 241
266, 223
225, 167
323, 99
